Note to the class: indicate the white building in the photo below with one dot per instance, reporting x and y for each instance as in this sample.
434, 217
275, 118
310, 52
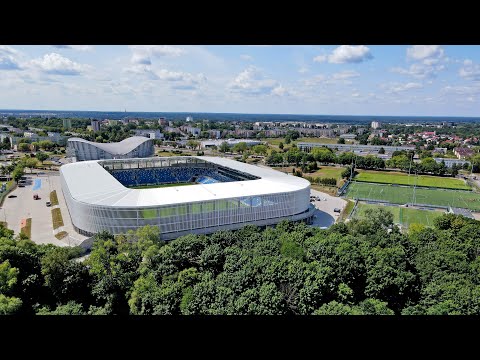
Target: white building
376, 125
224, 195
189, 118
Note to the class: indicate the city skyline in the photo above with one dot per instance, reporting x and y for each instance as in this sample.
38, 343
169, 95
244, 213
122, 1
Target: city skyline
422, 80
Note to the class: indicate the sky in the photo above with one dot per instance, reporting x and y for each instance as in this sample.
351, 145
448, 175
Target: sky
403, 80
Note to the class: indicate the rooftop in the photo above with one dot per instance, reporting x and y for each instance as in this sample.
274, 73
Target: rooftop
90, 183
120, 148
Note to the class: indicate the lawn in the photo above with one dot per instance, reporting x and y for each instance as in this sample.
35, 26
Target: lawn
27, 229
347, 210
322, 140
402, 215
332, 190
11, 185
404, 179
404, 194
57, 218
61, 235
159, 186
54, 198
327, 172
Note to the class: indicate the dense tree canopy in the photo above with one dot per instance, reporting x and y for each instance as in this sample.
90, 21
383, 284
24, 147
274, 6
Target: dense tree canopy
363, 267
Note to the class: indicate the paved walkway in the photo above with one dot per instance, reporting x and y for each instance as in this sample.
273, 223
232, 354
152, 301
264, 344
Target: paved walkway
324, 215
23, 206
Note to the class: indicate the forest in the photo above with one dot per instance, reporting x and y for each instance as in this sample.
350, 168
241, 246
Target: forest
363, 267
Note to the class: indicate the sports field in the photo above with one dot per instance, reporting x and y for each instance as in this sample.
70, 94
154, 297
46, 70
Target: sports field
327, 172
404, 194
404, 179
160, 186
402, 215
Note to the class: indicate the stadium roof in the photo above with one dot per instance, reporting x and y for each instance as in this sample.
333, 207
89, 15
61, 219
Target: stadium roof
89, 182
120, 148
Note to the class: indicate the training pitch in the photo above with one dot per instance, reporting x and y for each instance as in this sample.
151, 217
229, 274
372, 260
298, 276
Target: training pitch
405, 194
404, 179
402, 215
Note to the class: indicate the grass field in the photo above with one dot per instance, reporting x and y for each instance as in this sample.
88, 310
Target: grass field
404, 179
347, 210
327, 172
159, 186
54, 198
404, 195
61, 235
57, 219
332, 190
402, 215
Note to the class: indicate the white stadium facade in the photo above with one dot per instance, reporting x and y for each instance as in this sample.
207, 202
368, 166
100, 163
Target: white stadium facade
223, 194
132, 147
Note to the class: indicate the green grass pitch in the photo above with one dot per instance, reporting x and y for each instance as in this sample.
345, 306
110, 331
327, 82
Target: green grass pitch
404, 195
401, 215
404, 179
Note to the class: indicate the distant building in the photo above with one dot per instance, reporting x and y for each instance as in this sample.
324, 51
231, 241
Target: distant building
30, 135
95, 125
132, 147
189, 119
350, 147
152, 134
348, 136
191, 130
162, 121
67, 123
463, 153
231, 142
449, 162
216, 134
376, 124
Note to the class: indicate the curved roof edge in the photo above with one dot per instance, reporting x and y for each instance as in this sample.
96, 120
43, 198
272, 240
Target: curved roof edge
120, 148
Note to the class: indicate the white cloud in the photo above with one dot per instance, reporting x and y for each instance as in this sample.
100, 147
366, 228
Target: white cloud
320, 58
470, 71
280, 91
9, 58
142, 54
177, 79
246, 57
420, 52
303, 70
56, 64
75, 47
316, 80
396, 87
420, 71
346, 54
252, 82
343, 75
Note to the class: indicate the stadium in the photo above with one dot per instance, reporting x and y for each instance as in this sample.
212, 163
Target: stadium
180, 195
132, 147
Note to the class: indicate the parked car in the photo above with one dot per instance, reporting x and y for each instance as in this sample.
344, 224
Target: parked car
21, 185
48, 203
12, 196
337, 210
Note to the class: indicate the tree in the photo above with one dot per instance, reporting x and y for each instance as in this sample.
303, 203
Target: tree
41, 156
23, 147
193, 144
46, 145
280, 145
341, 141
260, 150
17, 173
240, 147
381, 151
224, 147
71, 308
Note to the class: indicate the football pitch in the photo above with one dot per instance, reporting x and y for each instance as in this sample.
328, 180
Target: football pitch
405, 194
402, 215
404, 179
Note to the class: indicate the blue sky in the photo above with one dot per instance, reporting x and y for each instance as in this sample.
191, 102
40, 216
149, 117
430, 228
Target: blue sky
423, 80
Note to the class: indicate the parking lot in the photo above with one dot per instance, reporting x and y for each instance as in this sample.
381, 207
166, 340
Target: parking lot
325, 216
22, 206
